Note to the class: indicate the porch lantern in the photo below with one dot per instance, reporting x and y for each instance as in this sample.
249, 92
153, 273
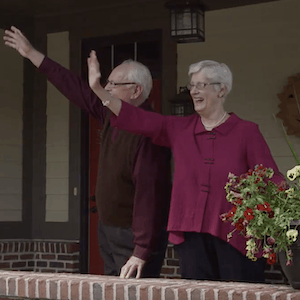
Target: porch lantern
182, 103
187, 20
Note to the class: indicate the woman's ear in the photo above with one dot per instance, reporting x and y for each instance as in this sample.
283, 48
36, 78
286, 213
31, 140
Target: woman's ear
222, 91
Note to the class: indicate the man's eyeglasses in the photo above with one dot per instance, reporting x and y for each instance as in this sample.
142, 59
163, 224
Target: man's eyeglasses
115, 84
200, 85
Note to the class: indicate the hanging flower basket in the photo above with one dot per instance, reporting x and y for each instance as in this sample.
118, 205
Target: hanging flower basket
263, 211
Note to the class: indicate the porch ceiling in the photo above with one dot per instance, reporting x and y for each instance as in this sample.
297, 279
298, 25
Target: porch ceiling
38, 8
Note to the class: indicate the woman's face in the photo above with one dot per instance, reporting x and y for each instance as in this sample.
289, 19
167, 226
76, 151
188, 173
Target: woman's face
206, 98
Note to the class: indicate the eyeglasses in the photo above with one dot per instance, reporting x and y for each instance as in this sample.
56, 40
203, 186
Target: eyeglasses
115, 84
200, 85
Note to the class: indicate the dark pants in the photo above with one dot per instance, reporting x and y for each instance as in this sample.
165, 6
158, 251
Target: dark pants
116, 247
203, 256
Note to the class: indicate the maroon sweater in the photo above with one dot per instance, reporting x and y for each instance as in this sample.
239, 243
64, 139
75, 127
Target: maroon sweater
133, 183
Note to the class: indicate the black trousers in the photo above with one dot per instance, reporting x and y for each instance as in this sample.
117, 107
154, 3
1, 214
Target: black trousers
116, 247
203, 256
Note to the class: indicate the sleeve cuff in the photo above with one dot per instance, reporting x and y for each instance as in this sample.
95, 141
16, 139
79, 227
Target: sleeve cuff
44, 65
117, 121
142, 253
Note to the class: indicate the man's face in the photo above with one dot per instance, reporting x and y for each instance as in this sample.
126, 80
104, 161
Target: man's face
122, 92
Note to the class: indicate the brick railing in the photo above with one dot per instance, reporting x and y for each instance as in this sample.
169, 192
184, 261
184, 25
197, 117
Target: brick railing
92, 287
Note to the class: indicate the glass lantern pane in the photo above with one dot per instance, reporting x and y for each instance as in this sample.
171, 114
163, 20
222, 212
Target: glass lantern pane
184, 20
173, 19
200, 21
187, 19
184, 32
194, 21
179, 110
179, 21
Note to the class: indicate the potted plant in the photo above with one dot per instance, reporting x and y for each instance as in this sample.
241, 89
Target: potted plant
264, 213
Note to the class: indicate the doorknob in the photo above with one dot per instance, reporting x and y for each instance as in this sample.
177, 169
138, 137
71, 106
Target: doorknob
93, 209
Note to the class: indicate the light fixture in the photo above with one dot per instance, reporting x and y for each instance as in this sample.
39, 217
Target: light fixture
182, 103
187, 20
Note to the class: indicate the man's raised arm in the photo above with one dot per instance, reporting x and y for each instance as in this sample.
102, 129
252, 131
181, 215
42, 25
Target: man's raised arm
68, 83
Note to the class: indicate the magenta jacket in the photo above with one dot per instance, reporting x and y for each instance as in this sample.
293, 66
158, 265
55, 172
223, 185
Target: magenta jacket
203, 160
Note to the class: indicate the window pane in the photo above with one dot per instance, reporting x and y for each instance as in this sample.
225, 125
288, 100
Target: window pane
148, 53
123, 52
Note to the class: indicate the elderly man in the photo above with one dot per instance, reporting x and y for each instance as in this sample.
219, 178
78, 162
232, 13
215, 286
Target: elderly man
133, 184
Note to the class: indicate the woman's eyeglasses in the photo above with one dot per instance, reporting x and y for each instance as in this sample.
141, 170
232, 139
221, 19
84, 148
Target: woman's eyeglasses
200, 85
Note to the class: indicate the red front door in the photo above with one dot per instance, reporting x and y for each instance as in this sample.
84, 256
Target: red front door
95, 260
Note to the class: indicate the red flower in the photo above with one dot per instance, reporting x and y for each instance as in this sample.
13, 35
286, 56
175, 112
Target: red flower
239, 224
239, 202
264, 207
270, 241
257, 181
260, 171
271, 214
271, 259
260, 207
282, 186
231, 214
233, 211
248, 214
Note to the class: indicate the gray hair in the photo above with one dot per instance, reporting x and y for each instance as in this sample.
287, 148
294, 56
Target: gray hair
140, 74
219, 72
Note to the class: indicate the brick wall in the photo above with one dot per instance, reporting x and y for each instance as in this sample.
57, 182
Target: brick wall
91, 287
39, 256
170, 268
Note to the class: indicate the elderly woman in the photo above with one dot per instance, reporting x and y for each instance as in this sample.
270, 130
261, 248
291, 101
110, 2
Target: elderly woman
206, 147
